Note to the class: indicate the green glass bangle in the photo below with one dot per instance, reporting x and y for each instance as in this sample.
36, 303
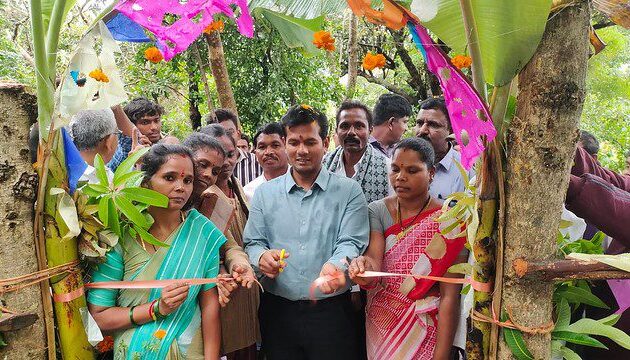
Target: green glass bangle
156, 311
131, 316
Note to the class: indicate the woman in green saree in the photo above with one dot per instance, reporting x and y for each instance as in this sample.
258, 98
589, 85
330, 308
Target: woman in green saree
178, 321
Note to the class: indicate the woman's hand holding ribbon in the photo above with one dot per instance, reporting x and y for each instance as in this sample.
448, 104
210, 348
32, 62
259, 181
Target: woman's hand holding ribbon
172, 297
357, 267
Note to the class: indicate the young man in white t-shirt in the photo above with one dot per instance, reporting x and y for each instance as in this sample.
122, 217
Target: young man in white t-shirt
271, 155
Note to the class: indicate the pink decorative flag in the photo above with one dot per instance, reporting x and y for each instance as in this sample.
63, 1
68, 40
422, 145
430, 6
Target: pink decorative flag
177, 23
621, 291
469, 115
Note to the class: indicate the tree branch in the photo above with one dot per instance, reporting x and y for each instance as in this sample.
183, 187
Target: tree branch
395, 89
561, 270
416, 81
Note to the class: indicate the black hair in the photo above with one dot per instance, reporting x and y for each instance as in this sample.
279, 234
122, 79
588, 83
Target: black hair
158, 155
390, 105
304, 115
197, 140
589, 142
246, 138
140, 107
437, 103
353, 104
221, 115
421, 146
215, 131
270, 129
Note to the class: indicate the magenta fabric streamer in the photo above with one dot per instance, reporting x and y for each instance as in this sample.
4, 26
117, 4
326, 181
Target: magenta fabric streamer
621, 291
469, 115
190, 17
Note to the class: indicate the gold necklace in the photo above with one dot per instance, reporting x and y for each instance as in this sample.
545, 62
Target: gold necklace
402, 228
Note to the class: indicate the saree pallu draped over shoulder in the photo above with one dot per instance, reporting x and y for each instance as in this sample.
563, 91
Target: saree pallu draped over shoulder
401, 320
193, 253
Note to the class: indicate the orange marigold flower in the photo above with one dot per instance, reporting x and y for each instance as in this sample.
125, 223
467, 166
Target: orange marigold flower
106, 345
99, 75
323, 40
160, 333
153, 55
214, 26
461, 61
372, 61
306, 107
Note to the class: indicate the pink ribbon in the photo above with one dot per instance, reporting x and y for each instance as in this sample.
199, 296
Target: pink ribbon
144, 284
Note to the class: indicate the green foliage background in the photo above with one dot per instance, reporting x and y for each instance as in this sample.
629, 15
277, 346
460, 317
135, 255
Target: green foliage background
607, 108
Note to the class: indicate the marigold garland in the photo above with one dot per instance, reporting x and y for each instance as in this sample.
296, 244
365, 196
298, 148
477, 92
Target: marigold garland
160, 333
323, 40
461, 61
107, 344
373, 61
217, 25
153, 54
99, 75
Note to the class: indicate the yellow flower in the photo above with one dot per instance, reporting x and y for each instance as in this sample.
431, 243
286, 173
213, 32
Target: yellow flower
371, 61
160, 333
461, 61
99, 75
306, 107
215, 26
153, 55
323, 40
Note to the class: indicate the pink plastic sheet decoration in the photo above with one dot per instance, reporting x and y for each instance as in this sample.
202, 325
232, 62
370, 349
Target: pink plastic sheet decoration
189, 18
621, 291
469, 115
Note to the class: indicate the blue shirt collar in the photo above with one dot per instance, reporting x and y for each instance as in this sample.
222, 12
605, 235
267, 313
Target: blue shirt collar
321, 181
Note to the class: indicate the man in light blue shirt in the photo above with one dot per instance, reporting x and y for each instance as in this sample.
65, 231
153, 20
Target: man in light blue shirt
319, 219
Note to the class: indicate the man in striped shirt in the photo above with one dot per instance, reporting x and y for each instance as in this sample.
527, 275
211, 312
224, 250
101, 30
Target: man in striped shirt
247, 168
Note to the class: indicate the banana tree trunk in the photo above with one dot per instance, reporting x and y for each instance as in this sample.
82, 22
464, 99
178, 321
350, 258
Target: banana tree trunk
52, 173
219, 71
540, 149
72, 336
352, 56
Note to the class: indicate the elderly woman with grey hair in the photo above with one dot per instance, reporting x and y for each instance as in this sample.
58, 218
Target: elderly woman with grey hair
94, 132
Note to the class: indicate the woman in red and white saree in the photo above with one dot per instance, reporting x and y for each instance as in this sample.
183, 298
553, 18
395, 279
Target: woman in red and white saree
402, 313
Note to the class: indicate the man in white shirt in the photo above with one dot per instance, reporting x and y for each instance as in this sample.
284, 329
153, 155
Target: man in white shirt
270, 153
434, 125
95, 132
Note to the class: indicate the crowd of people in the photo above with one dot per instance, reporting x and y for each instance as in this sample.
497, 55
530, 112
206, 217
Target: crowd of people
299, 212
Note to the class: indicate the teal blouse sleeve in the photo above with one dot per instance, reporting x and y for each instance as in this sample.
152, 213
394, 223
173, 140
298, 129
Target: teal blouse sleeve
112, 269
